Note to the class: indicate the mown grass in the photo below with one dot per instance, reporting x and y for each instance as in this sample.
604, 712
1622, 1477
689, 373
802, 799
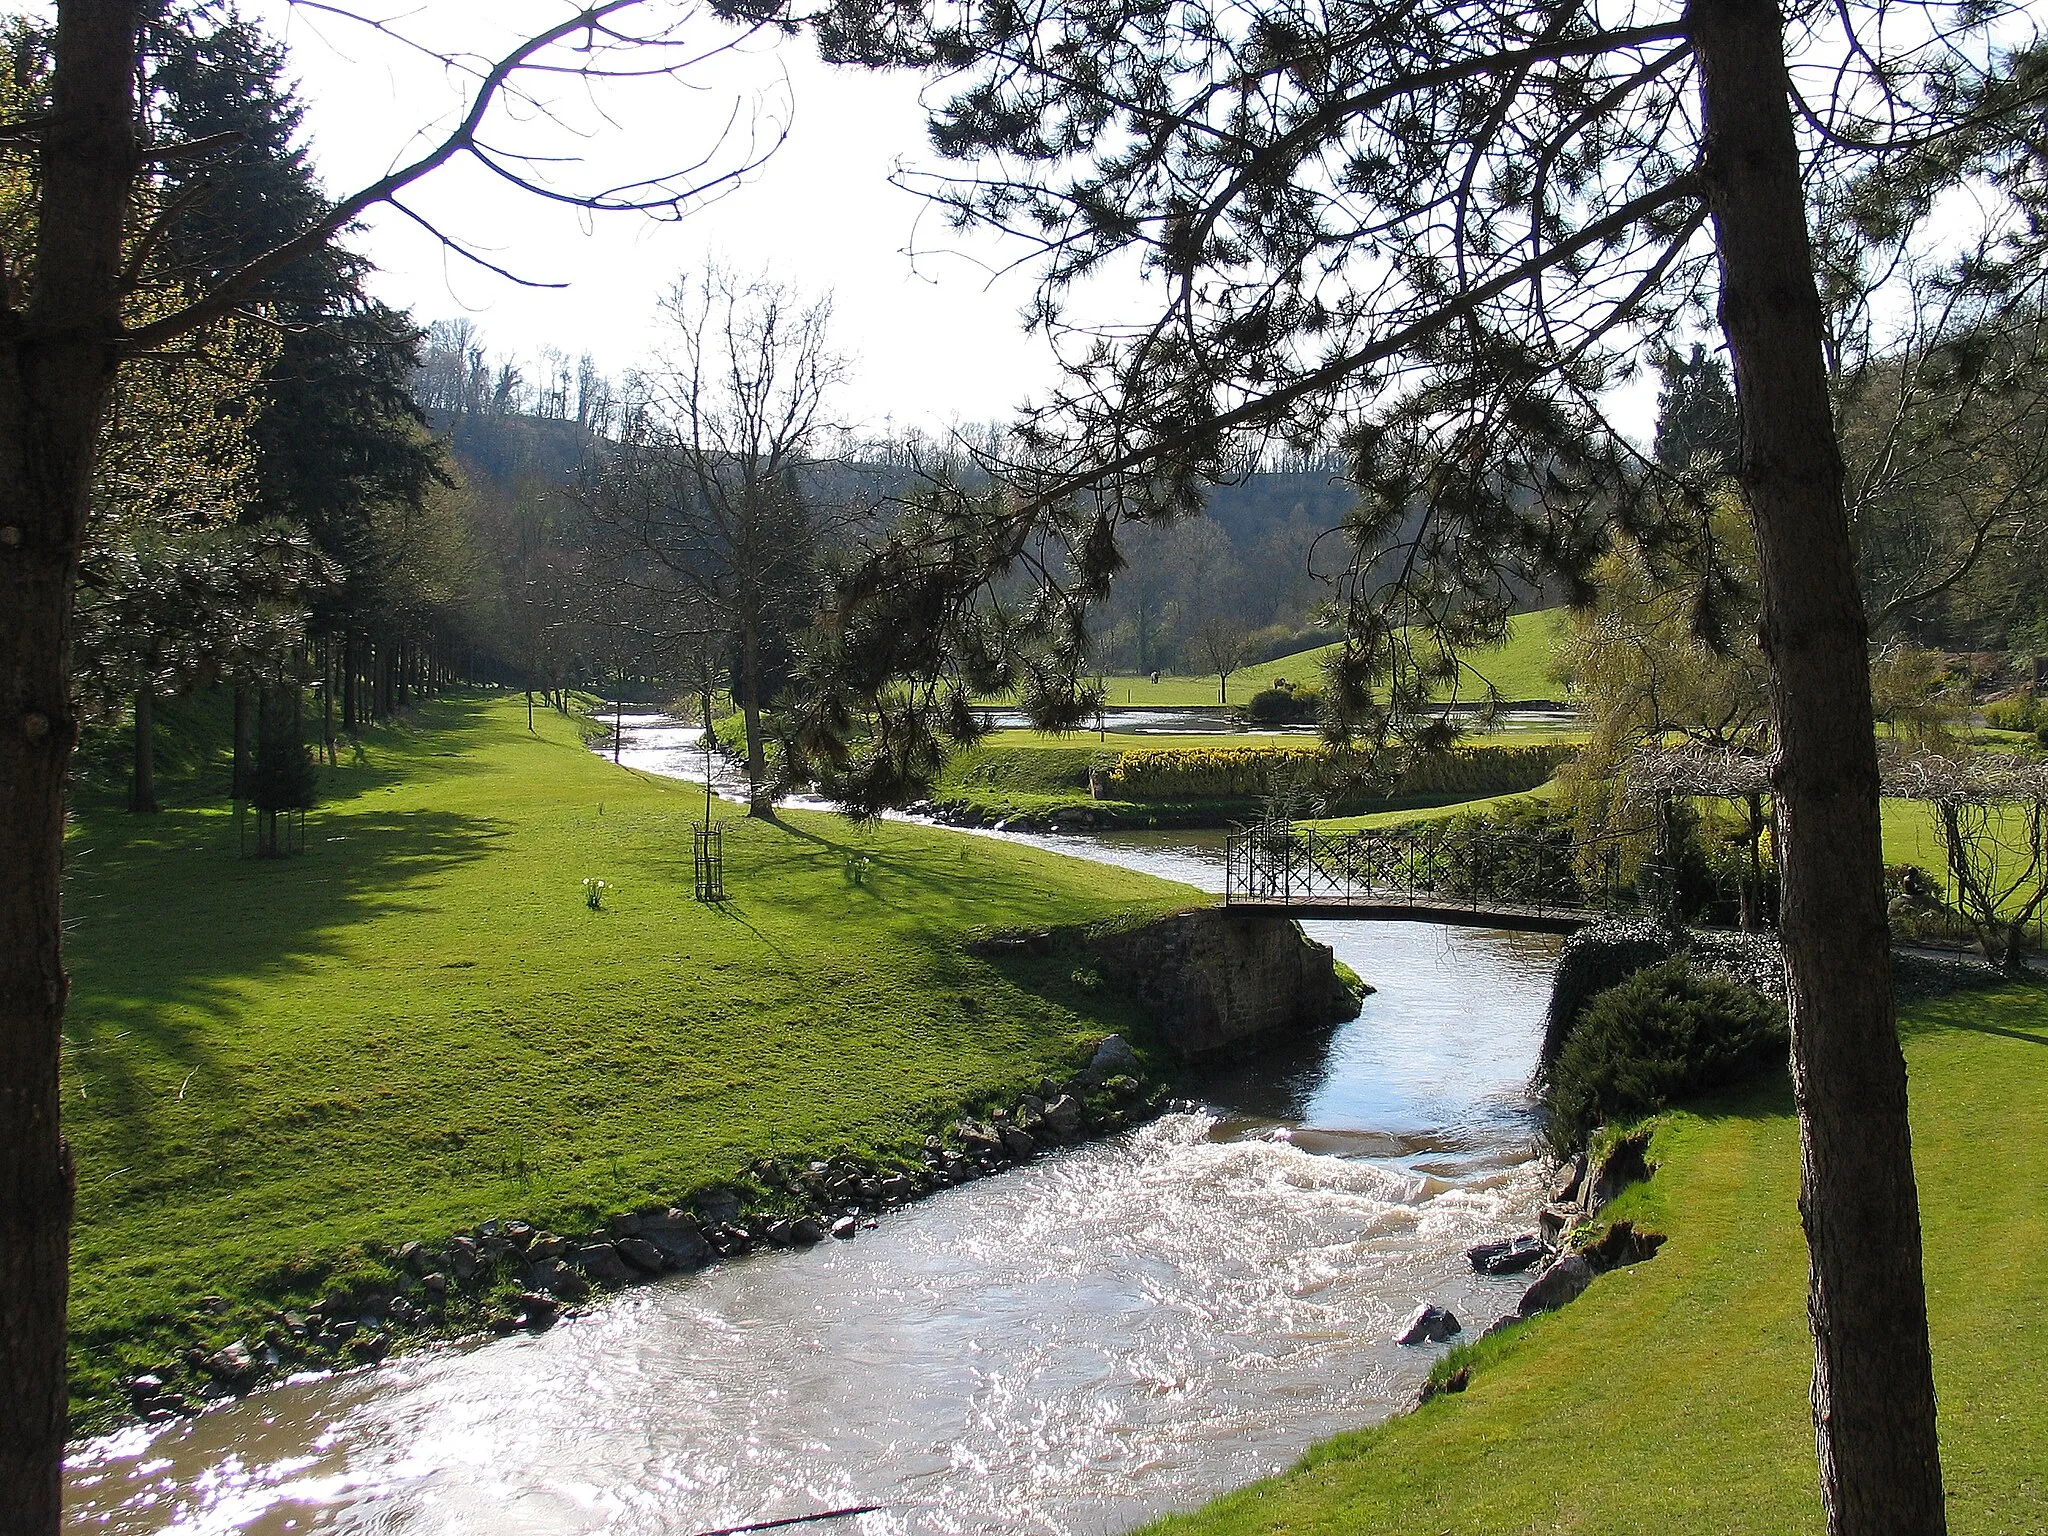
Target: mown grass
1541, 794
1672, 1397
1518, 670
271, 1067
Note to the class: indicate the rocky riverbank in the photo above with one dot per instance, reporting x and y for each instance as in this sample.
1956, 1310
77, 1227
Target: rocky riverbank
509, 1275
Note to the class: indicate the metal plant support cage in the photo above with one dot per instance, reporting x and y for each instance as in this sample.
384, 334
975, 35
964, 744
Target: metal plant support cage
707, 841
291, 832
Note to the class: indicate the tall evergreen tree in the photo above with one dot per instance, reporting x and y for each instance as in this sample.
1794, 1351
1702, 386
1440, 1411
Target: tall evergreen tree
339, 434
1696, 417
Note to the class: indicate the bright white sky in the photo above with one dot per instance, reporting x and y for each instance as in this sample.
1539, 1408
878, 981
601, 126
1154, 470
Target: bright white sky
929, 320
934, 337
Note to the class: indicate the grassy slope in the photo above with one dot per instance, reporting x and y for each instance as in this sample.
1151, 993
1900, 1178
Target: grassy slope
1520, 670
419, 1025
1542, 792
1672, 1398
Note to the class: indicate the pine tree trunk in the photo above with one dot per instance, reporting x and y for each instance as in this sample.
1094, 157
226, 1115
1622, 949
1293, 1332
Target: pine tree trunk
57, 363
142, 793
327, 703
349, 672
238, 774
1873, 1382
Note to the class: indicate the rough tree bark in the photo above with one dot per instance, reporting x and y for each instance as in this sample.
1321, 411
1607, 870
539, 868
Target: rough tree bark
57, 360
1873, 1382
238, 774
142, 793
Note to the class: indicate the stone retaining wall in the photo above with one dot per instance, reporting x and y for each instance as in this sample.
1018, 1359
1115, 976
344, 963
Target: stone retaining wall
1216, 982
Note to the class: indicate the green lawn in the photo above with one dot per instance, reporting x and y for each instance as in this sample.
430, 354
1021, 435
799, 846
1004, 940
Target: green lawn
1543, 793
1520, 670
419, 1025
1671, 1399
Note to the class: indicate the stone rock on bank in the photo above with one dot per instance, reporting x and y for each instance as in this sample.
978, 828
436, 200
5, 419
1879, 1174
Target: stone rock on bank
1215, 981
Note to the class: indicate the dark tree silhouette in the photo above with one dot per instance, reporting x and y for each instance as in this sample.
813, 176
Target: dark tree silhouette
1696, 411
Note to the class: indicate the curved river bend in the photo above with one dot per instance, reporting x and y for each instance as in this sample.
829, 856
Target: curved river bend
1116, 1331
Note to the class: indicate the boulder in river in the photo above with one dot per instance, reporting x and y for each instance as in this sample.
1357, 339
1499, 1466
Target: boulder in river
1063, 1117
720, 1206
1565, 1280
1508, 1255
979, 1140
557, 1279
602, 1264
1431, 1324
843, 1228
1019, 1144
678, 1241
641, 1254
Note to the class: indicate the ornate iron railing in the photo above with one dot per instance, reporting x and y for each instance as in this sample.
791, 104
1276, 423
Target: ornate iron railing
1437, 863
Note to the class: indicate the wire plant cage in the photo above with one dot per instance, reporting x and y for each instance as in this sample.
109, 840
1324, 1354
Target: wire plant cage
269, 834
707, 840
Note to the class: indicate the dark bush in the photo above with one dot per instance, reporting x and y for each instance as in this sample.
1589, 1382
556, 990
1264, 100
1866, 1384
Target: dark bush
1662, 1035
1284, 703
1592, 960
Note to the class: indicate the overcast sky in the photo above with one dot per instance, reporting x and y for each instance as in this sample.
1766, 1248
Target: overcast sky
934, 335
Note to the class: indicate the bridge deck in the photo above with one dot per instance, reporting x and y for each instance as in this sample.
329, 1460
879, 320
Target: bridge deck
1422, 910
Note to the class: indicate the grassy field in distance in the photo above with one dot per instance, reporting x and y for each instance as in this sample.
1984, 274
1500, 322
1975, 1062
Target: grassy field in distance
1519, 670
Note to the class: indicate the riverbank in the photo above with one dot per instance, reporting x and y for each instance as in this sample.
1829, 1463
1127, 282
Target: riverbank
280, 1072
1672, 1396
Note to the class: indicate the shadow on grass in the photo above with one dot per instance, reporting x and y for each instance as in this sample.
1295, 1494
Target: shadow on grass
1990, 1004
166, 926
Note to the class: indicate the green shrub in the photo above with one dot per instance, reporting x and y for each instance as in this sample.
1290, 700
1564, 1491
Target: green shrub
1663, 1034
1597, 957
2021, 712
1284, 703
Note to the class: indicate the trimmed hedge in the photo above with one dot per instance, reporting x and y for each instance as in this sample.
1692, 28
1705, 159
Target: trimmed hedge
1215, 773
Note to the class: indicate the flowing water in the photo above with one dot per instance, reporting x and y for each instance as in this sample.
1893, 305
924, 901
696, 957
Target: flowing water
1118, 1330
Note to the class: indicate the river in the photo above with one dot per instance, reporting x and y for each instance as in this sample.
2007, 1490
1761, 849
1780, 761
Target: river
1121, 1329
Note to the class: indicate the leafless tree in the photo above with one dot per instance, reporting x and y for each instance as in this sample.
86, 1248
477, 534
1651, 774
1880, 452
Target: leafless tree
67, 325
1223, 643
1993, 813
706, 497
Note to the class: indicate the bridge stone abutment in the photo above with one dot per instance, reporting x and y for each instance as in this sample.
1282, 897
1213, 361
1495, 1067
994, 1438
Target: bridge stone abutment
1218, 982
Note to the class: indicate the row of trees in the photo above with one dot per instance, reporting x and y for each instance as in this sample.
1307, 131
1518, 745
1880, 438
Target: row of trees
268, 513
